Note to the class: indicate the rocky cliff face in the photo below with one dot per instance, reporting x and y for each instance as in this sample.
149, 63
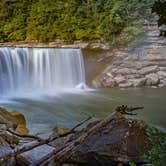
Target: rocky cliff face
142, 65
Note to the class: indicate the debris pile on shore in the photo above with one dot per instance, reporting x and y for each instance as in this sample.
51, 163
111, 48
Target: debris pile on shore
110, 141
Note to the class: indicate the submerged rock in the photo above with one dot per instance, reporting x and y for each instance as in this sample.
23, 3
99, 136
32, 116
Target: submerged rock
121, 141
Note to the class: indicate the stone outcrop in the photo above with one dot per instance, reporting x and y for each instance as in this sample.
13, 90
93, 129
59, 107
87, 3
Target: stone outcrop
119, 142
14, 120
142, 65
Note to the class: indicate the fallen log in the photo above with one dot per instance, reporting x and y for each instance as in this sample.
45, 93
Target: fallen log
23, 135
38, 142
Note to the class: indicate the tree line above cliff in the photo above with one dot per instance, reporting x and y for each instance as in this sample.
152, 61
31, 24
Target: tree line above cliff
69, 20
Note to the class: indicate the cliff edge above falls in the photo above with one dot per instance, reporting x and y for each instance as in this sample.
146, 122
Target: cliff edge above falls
142, 65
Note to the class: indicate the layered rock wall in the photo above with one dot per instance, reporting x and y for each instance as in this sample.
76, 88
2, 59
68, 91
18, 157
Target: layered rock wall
143, 65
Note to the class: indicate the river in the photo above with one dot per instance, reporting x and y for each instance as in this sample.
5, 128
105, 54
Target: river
46, 111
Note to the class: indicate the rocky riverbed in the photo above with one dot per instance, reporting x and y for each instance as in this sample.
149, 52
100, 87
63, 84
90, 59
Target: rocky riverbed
142, 65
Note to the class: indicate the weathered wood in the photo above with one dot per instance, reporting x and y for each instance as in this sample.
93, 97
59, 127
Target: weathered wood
127, 110
23, 135
39, 142
60, 155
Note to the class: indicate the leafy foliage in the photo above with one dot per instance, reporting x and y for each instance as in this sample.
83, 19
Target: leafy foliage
69, 20
157, 153
160, 8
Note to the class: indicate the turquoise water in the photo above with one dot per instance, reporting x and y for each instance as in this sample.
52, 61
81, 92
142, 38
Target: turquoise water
44, 112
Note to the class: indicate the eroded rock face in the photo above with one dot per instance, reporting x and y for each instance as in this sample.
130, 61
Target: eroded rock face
121, 141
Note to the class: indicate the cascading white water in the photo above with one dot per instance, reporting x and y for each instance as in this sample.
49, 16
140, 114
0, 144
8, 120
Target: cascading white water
34, 70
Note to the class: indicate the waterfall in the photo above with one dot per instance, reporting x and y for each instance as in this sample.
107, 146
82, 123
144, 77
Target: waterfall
33, 70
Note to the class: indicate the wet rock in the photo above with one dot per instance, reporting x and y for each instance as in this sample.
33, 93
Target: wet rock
138, 82
125, 85
121, 141
152, 79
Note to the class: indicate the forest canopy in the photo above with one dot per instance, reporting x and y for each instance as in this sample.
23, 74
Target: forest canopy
69, 20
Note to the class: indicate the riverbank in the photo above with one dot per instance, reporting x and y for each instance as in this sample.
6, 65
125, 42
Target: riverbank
142, 65
107, 141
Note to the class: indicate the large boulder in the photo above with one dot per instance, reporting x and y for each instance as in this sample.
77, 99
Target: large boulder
14, 120
21, 127
121, 141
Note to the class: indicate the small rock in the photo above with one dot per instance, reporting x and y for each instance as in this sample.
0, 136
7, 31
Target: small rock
148, 70
120, 79
60, 130
125, 85
110, 82
138, 82
125, 71
3, 127
152, 79
162, 74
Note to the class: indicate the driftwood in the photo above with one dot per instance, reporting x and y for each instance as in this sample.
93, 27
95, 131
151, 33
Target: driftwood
127, 110
38, 142
62, 154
